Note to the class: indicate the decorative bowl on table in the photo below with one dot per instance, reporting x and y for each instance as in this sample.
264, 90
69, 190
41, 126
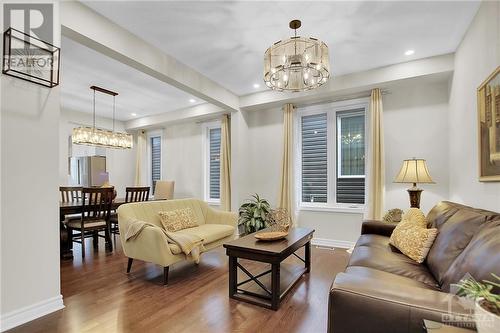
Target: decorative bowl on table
279, 222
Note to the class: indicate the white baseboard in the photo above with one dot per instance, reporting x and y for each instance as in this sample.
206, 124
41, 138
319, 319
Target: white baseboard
332, 243
30, 312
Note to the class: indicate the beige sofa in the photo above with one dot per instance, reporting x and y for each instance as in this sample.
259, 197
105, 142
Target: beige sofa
215, 227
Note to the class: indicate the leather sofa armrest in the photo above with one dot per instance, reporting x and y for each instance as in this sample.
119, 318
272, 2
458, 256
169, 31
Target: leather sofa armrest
363, 304
377, 227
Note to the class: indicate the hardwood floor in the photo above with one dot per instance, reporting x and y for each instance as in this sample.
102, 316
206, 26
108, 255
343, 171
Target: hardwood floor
100, 297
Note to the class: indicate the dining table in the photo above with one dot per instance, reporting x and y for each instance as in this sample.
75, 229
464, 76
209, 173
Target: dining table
71, 208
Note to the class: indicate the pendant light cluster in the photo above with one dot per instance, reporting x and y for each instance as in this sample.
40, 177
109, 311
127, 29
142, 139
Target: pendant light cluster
93, 136
297, 63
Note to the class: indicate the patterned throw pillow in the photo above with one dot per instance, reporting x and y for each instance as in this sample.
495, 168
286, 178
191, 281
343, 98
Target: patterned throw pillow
178, 219
393, 215
412, 237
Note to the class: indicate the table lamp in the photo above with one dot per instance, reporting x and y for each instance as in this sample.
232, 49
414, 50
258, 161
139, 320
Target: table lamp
414, 171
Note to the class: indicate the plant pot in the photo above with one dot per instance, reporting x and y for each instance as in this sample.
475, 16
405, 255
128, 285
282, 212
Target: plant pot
486, 322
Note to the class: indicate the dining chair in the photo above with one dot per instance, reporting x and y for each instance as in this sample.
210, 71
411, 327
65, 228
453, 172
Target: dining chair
164, 190
96, 210
70, 193
132, 194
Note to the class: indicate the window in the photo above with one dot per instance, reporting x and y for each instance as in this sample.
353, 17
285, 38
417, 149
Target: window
331, 157
350, 185
155, 142
212, 162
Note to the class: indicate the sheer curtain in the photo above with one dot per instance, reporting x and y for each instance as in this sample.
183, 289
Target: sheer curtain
140, 158
375, 173
286, 193
225, 164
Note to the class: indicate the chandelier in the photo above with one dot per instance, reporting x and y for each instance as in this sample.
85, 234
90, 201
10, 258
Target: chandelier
297, 63
93, 136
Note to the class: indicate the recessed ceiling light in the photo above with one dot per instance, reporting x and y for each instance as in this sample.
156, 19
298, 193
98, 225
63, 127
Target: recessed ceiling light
409, 52
256, 85
133, 114
192, 100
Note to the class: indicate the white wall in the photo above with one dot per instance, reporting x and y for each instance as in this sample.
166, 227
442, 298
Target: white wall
120, 163
415, 120
416, 125
30, 283
182, 159
477, 56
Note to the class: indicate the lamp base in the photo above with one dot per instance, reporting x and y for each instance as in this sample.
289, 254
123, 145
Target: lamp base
414, 196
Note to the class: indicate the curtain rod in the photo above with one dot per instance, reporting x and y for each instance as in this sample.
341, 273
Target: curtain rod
363, 94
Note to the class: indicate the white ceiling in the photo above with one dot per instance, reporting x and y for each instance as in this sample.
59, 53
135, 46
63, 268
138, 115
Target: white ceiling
226, 40
139, 93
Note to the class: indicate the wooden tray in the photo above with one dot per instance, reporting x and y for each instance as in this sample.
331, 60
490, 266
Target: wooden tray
271, 235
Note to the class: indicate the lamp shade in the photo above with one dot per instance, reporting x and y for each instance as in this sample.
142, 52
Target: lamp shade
414, 171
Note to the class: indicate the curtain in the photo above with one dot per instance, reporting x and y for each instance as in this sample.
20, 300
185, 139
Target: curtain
286, 191
140, 158
225, 164
375, 163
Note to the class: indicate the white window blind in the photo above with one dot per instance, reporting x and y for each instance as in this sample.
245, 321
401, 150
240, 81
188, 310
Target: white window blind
155, 142
214, 163
314, 158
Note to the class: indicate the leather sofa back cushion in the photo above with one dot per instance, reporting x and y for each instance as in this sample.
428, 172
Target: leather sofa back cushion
479, 259
454, 235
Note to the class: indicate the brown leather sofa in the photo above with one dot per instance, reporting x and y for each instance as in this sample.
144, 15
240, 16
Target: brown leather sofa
384, 291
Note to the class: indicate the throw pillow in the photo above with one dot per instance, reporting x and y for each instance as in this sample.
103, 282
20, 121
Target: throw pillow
412, 237
178, 219
393, 215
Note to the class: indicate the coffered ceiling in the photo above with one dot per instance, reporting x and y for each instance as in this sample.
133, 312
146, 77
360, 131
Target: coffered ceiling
226, 40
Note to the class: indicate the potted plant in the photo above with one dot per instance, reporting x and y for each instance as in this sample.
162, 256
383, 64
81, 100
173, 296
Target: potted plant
487, 303
253, 214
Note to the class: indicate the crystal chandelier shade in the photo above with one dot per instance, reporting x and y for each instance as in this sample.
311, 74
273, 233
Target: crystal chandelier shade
297, 63
93, 136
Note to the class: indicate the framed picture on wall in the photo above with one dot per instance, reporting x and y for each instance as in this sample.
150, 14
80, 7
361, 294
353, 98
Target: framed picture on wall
488, 108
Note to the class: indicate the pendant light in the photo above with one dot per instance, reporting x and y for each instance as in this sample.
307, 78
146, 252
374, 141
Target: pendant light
297, 63
93, 136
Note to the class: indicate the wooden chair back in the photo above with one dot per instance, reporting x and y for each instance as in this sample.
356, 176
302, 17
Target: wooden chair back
97, 202
70, 193
136, 194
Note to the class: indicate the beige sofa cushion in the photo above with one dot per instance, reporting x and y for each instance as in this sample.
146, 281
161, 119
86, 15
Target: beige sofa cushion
211, 232
412, 237
178, 219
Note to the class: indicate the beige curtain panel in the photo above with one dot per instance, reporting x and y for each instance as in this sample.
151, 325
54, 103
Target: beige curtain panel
286, 192
140, 155
375, 173
225, 164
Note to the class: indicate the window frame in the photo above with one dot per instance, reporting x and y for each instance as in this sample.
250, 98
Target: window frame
331, 109
149, 135
206, 161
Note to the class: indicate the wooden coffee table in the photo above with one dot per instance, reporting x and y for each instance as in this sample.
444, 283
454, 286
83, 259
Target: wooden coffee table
248, 247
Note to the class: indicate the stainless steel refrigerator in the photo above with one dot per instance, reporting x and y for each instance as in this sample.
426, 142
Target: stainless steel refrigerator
88, 171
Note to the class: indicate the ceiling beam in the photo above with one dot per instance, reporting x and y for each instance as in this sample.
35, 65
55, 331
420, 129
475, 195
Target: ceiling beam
351, 84
95, 31
195, 113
